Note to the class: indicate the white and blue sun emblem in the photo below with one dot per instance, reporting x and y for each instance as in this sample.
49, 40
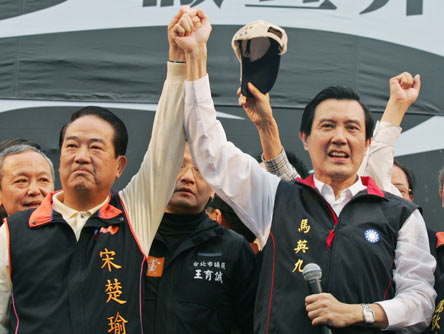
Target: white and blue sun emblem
372, 236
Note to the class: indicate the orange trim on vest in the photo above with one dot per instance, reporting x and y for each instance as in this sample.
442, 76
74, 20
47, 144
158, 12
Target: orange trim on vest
43, 214
439, 239
9, 245
254, 247
108, 211
132, 230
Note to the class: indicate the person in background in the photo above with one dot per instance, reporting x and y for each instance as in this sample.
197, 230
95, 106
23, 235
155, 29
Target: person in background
202, 277
221, 212
26, 177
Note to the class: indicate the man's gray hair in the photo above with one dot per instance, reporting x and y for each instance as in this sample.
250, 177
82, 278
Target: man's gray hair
17, 149
441, 179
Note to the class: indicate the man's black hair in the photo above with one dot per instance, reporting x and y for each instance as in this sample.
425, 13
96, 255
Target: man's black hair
298, 164
410, 175
337, 93
120, 138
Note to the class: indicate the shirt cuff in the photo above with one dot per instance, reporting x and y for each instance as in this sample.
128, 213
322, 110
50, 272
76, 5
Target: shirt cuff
393, 311
176, 72
277, 159
280, 166
273, 164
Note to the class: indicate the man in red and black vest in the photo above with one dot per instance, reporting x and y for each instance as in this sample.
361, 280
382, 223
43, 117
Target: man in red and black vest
74, 264
372, 246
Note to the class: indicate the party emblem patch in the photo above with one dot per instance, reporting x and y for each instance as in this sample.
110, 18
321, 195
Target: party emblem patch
371, 236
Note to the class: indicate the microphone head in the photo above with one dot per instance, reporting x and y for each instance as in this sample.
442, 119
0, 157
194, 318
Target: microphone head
311, 272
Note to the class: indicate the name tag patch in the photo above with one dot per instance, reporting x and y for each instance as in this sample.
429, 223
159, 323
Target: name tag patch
211, 271
155, 266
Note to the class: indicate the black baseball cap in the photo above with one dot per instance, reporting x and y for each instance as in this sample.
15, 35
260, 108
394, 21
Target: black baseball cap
258, 47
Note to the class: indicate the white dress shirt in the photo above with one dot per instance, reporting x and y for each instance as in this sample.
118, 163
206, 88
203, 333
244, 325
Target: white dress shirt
250, 190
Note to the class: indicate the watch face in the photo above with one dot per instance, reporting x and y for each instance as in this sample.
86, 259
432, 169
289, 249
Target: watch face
369, 316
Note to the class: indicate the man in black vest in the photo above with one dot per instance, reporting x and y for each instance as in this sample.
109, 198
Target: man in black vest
201, 277
74, 264
369, 243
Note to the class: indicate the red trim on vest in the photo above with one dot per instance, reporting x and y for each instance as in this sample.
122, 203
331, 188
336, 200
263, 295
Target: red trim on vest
272, 281
15, 312
372, 187
331, 234
439, 239
309, 181
390, 283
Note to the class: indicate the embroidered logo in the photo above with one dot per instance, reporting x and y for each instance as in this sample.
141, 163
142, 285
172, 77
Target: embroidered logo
110, 229
155, 266
372, 236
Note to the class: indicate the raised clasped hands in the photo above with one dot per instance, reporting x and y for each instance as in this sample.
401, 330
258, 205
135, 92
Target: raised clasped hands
192, 29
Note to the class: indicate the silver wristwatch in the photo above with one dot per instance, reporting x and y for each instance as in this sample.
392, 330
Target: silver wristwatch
368, 314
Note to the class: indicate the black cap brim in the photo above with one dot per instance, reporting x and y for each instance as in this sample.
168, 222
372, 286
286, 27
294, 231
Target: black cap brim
262, 73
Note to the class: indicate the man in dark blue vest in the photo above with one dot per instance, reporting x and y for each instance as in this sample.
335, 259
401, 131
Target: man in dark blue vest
75, 263
372, 246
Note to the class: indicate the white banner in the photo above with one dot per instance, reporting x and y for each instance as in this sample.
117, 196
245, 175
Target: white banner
412, 23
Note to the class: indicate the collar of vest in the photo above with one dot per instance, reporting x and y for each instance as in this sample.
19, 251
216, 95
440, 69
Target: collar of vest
44, 213
439, 239
372, 187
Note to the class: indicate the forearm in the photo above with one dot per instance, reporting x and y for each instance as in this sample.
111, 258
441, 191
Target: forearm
196, 63
270, 139
394, 112
325, 309
413, 304
355, 317
380, 156
235, 176
149, 191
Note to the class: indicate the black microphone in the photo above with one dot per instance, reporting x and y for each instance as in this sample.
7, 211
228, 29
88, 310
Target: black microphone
312, 274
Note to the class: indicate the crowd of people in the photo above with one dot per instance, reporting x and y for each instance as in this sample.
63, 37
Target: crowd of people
205, 238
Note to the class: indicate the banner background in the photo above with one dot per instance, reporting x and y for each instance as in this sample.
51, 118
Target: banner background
58, 55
